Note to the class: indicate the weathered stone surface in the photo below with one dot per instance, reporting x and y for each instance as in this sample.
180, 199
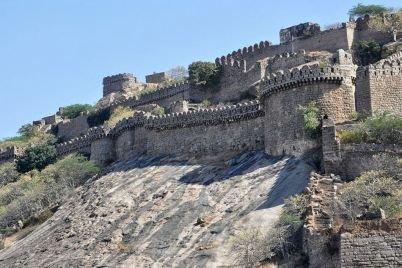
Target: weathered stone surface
144, 213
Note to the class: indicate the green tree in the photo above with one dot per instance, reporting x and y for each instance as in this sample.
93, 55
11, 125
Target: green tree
368, 51
204, 73
73, 111
98, 117
361, 10
37, 157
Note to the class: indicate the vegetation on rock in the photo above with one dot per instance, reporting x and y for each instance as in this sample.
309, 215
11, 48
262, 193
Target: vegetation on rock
28, 135
380, 128
375, 190
368, 51
36, 192
311, 119
98, 117
205, 74
252, 247
119, 114
37, 157
74, 110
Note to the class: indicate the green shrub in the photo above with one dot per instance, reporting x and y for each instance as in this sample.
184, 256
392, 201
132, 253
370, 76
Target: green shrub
148, 90
118, 114
371, 191
384, 128
379, 128
294, 210
311, 120
158, 111
357, 135
98, 117
8, 173
204, 74
368, 51
361, 10
74, 110
37, 157
34, 193
205, 103
28, 135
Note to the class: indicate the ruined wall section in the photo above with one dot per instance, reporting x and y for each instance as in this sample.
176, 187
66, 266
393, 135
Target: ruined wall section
379, 86
163, 97
10, 153
350, 160
69, 129
331, 88
81, 144
371, 249
236, 79
117, 83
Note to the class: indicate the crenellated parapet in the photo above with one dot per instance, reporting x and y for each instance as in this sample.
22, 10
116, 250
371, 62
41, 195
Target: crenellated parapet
119, 82
10, 153
108, 80
379, 86
287, 60
213, 116
307, 74
133, 122
151, 97
246, 52
391, 65
79, 143
228, 63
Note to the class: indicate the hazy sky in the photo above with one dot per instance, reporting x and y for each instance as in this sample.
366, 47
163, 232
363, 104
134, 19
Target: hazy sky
55, 53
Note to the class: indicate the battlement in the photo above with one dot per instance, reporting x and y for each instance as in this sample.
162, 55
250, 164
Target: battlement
162, 93
298, 31
9, 153
213, 116
81, 142
119, 82
391, 65
156, 78
282, 80
135, 121
118, 78
287, 60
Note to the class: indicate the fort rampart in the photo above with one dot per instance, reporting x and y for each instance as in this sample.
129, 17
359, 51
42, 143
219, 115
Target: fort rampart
330, 88
10, 153
378, 86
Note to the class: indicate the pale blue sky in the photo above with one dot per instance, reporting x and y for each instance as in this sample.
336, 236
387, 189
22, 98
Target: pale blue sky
55, 53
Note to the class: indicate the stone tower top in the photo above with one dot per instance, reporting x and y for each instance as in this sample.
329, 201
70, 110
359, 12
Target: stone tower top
119, 82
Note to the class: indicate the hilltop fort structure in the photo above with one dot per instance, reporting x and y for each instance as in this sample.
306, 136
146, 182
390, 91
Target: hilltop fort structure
309, 65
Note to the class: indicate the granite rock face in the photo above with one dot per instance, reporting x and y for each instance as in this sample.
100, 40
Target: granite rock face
163, 211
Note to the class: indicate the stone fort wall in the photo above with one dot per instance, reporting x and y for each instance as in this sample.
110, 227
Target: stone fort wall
371, 249
163, 97
10, 153
350, 160
378, 86
233, 128
75, 127
332, 90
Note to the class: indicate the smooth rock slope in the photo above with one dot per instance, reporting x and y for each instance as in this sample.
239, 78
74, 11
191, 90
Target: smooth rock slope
162, 211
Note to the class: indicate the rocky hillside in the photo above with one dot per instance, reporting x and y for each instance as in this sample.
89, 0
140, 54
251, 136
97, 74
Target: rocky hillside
162, 212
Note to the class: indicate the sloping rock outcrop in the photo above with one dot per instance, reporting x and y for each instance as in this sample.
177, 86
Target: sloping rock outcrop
162, 211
